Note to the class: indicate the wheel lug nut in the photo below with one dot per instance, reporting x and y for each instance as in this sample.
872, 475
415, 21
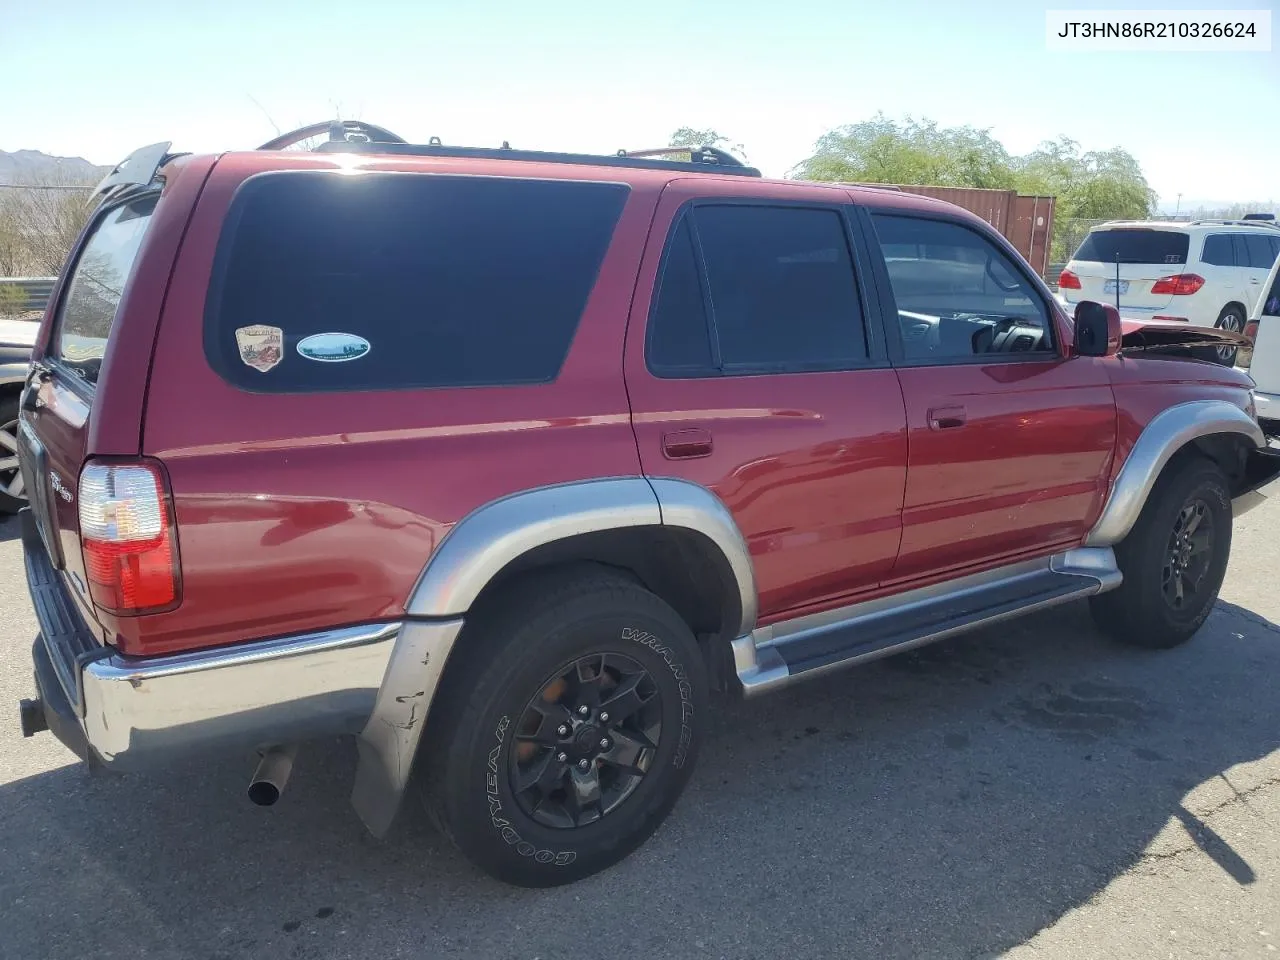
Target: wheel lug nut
562, 756
604, 717
584, 765
583, 710
604, 743
563, 730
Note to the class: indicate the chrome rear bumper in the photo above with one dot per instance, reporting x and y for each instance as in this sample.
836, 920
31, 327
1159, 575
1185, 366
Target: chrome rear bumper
144, 712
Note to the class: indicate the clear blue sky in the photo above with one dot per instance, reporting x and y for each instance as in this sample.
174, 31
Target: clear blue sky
97, 78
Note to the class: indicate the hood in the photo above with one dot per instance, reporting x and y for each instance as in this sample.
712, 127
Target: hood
18, 333
1145, 335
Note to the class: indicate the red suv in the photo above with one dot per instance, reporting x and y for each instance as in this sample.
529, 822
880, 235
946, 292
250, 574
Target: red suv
500, 461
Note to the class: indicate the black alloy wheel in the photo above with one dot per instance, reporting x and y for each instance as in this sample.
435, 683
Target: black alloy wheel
1189, 555
586, 740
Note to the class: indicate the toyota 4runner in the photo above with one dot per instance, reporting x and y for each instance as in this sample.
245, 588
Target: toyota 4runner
499, 461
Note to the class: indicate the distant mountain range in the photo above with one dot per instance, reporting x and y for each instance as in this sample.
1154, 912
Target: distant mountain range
32, 166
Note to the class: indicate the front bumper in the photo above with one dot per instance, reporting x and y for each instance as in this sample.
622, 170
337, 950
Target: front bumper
1268, 407
1261, 481
134, 712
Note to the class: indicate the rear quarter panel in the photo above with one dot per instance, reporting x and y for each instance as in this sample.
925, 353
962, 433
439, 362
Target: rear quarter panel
303, 512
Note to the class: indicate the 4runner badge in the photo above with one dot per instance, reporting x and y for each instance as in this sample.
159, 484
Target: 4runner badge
261, 347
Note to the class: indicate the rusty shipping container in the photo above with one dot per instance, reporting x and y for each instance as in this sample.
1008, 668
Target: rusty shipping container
1025, 221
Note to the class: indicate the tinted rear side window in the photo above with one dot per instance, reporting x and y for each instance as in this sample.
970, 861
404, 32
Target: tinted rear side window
781, 289
1134, 246
96, 285
1218, 250
418, 280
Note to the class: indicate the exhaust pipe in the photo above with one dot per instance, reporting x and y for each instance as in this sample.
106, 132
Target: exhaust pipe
272, 774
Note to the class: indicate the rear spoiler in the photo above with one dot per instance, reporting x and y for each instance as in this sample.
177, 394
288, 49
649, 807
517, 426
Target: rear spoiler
136, 170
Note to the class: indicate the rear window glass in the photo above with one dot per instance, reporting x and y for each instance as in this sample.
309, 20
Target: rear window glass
96, 285
1134, 246
387, 281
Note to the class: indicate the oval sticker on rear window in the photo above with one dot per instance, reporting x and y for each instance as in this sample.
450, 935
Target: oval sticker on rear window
333, 347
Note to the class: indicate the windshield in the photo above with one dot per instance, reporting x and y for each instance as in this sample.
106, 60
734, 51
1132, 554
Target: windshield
1134, 246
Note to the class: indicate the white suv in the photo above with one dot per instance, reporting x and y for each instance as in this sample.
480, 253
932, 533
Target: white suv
1207, 272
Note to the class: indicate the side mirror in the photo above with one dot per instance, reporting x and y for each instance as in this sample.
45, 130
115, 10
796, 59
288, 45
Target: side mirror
1098, 329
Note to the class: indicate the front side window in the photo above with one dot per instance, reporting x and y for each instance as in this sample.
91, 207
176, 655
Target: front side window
780, 286
96, 286
958, 296
1261, 255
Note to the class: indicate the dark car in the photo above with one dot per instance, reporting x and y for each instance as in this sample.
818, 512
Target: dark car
500, 461
16, 340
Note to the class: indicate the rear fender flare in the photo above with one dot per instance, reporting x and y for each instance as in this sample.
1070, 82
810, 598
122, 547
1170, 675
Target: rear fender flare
479, 548
1166, 434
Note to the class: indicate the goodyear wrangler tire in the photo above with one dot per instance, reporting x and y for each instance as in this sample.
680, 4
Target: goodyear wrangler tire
1173, 560
569, 727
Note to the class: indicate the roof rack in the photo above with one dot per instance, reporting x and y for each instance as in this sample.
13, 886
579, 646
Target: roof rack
704, 163
869, 186
1237, 223
356, 136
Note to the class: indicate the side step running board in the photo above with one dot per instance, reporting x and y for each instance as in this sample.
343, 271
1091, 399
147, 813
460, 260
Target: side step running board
773, 656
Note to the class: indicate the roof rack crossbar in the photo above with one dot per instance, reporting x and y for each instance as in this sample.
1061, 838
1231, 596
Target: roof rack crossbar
713, 163
1236, 223
713, 155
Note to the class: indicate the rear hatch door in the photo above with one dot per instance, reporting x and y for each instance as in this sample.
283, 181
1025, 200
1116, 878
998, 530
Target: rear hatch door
53, 434
1135, 256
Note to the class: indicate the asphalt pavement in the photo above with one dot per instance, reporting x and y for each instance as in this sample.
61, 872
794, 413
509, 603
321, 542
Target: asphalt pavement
1030, 790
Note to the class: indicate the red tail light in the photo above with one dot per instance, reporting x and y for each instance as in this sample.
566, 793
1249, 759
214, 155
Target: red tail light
1068, 281
1251, 330
1179, 285
127, 531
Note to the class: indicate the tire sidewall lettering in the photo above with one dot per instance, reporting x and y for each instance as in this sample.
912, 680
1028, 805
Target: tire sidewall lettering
646, 639
503, 826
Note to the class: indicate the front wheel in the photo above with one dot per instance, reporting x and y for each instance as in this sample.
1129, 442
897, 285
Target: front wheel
1173, 560
568, 728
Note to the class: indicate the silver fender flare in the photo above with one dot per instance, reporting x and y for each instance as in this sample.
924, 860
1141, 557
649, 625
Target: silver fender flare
1166, 434
476, 550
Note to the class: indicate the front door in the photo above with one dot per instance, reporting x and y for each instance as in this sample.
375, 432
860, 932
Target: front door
1010, 439
752, 371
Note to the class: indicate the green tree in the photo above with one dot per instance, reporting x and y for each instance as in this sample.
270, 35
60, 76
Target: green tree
1101, 184
690, 137
911, 151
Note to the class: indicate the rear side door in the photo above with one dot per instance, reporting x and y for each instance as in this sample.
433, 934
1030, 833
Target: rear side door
53, 435
753, 371
1222, 263
1010, 437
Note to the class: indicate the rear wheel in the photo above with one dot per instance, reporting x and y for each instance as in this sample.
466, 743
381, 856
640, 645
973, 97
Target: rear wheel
13, 496
1173, 560
568, 728
1232, 320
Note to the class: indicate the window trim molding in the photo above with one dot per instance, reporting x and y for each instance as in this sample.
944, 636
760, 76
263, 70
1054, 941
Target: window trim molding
230, 225
877, 354
53, 352
889, 305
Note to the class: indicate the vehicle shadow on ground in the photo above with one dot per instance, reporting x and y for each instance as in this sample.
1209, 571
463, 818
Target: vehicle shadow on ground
10, 528
949, 802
